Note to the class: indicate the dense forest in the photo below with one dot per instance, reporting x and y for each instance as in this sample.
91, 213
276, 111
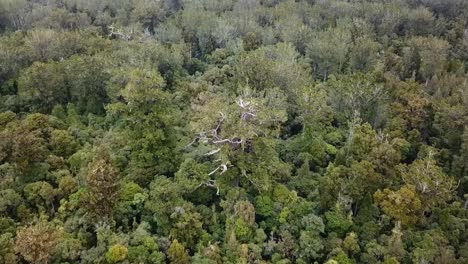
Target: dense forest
234, 131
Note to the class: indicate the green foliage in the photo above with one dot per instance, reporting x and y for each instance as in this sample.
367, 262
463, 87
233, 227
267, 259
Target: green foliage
187, 226
430, 181
337, 221
116, 253
62, 143
242, 230
149, 120
40, 194
68, 248
342, 258
350, 244
357, 94
402, 205
177, 253
434, 248
164, 195
44, 83
264, 205
191, 174
328, 50
103, 183
233, 131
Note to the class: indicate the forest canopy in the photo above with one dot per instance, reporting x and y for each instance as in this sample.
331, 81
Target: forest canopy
234, 131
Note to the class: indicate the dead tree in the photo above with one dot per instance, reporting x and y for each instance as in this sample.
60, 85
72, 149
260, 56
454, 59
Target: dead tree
248, 113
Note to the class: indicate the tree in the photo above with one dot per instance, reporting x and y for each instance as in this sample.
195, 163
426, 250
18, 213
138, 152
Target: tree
419, 21
403, 205
435, 187
408, 106
359, 167
357, 95
86, 77
164, 196
338, 221
10, 200
41, 42
432, 53
434, 248
62, 143
178, 254
270, 67
240, 132
14, 13
41, 194
363, 54
192, 175
24, 144
243, 220
187, 226
116, 253
103, 186
350, 244
150, 118
36, 243
15, 56
310, 242
315, 111
148, 13
293, 30
44, 85
328, 51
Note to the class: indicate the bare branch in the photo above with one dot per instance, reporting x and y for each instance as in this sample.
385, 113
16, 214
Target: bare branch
215, 131
222, 141
210, 183
214, 171
191, 143
212, 152
243, 104
245, 115
223, 167
232, 141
